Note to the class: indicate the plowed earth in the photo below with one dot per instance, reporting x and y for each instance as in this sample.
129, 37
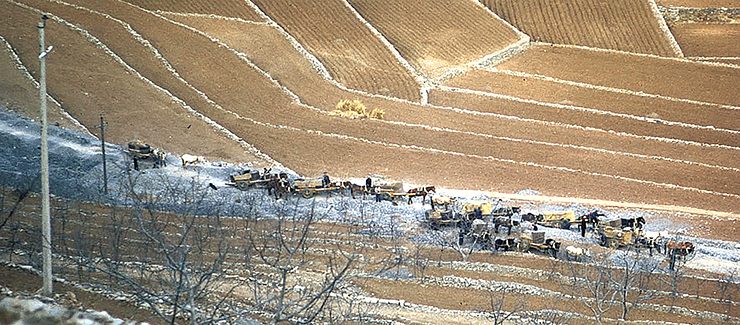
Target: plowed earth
708, 40
657, 76
354, 56
624, 25
443, 35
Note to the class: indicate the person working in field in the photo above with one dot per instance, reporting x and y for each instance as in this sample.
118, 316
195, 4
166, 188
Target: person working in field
325, 181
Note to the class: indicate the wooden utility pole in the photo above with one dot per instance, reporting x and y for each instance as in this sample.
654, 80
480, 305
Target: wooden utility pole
46, 289
102, 144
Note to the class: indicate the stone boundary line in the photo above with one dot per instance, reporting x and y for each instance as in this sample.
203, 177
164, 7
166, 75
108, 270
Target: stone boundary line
248, 147
424, 93
502, 160
664, 28
19, 65
588, 110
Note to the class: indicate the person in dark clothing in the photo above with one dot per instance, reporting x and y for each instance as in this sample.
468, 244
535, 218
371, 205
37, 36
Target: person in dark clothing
325, 181
583, 226
368, 184
136, 164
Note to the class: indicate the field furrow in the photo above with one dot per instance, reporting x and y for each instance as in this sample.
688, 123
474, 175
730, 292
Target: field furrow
651, 109
418, 115
227, 8
443, 34
350, 51
624, 25
681, 79
117, 85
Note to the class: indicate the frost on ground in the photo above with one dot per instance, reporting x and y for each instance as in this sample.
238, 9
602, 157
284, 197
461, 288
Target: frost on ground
76, 173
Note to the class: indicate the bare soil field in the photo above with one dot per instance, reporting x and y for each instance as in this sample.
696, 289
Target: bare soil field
708, 40
121, 95
354, 56
14, 86
445, 34
625, 25
403, 113
658, 76
542, 95
228, 8
421, 134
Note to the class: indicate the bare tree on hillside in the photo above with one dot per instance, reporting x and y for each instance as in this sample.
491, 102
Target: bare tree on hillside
500, 301
633, 276
673, 281
178, 249
591, 282
291, 278
729, 288
455, 239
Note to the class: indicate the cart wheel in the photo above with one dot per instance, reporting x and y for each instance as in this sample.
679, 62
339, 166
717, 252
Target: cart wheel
611, 243
307, 193
386, 197
242, 186
524, 246
565, 224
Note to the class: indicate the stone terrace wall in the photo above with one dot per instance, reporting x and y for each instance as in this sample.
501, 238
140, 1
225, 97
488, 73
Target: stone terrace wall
700, 15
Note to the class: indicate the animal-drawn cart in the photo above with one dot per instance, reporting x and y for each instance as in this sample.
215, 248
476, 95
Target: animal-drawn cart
556, 219
140, 151
247, 179
307, 188
536, 240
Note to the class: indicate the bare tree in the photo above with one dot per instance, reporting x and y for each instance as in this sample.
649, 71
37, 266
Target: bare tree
634, 279
728, 288
456, 239
591, 282
673, 281
178, 249
499, 300
278, 252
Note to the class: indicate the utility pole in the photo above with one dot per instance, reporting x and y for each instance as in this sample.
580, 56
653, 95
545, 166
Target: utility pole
102, 144
46, 289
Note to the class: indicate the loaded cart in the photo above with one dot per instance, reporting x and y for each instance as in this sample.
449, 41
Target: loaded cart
310, 187
247, 179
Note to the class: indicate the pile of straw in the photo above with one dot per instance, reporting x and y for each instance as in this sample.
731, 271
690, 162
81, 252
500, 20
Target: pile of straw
356, 109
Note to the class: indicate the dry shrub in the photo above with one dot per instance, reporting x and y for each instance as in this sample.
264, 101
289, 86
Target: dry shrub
377, 113
356, 109
352, 106
348, 114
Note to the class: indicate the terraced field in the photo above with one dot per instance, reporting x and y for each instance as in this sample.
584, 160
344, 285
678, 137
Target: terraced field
444, 35
353, 55
625, 25
254, 81
708, 40
228, 8
444, 290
